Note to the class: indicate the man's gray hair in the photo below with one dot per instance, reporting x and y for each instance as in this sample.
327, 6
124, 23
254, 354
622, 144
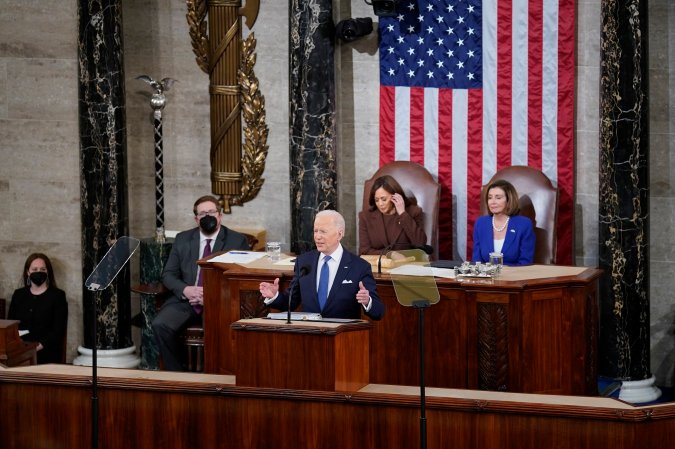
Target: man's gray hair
338, 219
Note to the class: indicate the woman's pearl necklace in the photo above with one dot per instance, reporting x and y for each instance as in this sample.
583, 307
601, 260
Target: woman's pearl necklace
501, 228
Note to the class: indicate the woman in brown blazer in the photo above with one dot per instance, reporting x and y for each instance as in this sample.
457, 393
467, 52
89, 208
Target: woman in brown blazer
391, 221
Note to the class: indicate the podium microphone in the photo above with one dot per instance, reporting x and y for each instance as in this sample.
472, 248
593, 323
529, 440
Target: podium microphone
379, 259
303, 271
428, 249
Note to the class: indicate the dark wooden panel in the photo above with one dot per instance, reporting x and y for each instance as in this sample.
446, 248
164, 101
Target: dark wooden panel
545, 358
396, 337
53, 411
13, 350
302, 356
529, 336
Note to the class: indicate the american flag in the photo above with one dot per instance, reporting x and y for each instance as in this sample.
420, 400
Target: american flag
468, 87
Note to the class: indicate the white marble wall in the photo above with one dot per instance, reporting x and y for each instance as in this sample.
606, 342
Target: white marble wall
39, 205
662, 188
39, 153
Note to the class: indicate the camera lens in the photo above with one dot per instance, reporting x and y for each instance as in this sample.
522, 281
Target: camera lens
351, 29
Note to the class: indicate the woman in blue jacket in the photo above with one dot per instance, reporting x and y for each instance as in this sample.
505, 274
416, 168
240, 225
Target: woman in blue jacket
503, 230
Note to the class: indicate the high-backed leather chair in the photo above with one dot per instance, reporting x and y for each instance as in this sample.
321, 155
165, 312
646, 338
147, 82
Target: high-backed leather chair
538, 200
420, 187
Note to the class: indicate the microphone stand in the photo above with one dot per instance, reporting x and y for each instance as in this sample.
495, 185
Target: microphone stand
386, 250
290, 298
420, 306
94, 377
303, 271
379, 259
102, 276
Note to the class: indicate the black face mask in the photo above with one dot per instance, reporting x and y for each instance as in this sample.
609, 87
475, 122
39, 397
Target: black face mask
38, 277
208, 224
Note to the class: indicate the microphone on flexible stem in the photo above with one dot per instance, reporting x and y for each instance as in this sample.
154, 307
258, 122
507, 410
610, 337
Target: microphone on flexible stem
379, 259
428, 249
303, 271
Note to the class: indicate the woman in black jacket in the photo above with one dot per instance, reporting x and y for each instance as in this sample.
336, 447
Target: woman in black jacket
42, 309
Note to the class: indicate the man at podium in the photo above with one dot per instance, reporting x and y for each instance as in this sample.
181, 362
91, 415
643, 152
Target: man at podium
329, 280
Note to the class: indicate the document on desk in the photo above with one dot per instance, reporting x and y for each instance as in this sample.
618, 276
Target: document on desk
287, 262
422, 270
240, 257
295, 316
23, 332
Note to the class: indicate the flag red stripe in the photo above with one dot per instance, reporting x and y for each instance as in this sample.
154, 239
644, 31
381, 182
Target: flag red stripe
565, 132
387, 124
535, 30
417, 125
445, 221
474, 162
504, 83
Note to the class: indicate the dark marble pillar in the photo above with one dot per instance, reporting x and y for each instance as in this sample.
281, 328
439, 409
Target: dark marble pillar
153, 258
103, 193
624, 189
312, 117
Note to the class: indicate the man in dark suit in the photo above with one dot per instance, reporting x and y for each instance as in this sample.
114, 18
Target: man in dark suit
182, 277
329, 280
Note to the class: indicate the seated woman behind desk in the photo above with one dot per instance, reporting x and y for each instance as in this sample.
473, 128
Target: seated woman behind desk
42, 309
503, 230
390, 222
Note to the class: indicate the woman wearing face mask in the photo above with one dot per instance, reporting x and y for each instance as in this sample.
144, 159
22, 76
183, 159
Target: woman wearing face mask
42, 309
391, 221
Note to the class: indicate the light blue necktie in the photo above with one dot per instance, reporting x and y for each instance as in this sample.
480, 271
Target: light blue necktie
323, 282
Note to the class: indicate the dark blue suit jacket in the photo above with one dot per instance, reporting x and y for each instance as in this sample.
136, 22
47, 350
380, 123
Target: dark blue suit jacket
181, 267
341, 302
518, 246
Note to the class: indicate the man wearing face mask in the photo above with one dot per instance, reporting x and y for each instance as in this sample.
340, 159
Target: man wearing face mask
182, 277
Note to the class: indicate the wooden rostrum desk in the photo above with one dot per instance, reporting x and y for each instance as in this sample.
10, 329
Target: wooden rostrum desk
532, 330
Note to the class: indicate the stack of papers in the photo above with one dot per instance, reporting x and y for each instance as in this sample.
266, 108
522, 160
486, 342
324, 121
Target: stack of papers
240, 257
295, 316
423, 270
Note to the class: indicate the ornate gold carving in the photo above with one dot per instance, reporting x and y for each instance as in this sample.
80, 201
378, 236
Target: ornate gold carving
224, 90
255, 132
225, 177
250, 11
236, 170
225, 3
196, 18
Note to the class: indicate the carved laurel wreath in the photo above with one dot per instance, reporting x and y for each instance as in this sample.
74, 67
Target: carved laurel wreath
254, 148
196, 18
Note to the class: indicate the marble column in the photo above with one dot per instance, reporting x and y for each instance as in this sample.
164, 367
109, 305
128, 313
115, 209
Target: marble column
624, 192
312, 117
103, 177
153, 257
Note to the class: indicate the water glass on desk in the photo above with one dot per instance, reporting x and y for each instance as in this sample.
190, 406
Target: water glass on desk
497, 259
274, 251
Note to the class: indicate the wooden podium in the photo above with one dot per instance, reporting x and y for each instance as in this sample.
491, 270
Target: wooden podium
532, 330
303, 355
13, 350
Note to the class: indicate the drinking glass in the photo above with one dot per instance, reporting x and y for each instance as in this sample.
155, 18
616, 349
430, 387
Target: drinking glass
497, 259
274, 251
